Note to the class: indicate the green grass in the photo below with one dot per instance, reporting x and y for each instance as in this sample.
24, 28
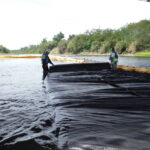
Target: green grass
4, 53
145, 53
142, 54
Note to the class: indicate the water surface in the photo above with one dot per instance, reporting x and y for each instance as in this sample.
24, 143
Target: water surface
37, 114
141, 62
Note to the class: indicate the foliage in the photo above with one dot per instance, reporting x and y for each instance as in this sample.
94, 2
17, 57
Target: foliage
95, 45
142, 54
58, 37
71, 36
3, 49
62, 46
121, 46
79, 43
106, 47
37, 49
133, 47
132, 38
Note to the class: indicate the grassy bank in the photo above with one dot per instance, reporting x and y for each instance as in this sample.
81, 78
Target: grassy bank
138, 54
142, 54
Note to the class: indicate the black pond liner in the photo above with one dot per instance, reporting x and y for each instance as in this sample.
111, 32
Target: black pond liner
129, 90
79, 67
90, 85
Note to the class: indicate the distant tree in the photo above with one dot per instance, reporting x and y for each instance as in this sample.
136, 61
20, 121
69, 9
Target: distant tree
44, 40
71, 36
62, 46
133, 47
128, 39
105, 47
121, 46
79, 43
58, 37
3, 49
52, 44
95, 45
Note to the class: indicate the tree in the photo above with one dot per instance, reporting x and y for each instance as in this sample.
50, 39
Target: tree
62, 46
121, 46
71, 36
79, 43
128, 39
3, 49
58, 37
95, 45
106, 47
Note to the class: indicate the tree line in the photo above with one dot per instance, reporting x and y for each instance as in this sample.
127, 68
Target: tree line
132, 38
3, 49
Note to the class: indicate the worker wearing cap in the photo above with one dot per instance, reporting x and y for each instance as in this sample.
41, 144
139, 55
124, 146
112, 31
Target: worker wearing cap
113, 59
45, 61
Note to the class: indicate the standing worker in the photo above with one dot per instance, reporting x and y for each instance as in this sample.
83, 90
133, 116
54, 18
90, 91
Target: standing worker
45, 61
113, 59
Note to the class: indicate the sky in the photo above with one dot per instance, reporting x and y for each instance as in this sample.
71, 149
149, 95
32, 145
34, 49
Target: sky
27, 22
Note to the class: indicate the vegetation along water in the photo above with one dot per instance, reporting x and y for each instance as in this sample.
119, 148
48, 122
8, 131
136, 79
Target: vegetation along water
133, 38
37, 115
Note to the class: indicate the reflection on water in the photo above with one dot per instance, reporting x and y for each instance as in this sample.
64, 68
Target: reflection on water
50, 115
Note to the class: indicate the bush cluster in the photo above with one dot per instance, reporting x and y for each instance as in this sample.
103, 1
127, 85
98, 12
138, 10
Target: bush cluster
132, 38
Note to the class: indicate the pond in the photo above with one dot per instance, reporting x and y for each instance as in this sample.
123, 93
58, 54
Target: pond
29, 116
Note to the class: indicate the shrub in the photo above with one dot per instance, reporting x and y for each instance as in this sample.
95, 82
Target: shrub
62, 46
120, 47
95, 46
105, 47
133, 47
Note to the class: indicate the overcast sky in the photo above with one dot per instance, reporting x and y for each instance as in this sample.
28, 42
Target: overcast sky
27, 22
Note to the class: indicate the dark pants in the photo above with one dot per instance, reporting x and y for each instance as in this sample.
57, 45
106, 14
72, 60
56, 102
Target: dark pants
45, 69
113, 65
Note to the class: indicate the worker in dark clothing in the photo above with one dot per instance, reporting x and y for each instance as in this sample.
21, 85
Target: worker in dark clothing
45, 61
113, 59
